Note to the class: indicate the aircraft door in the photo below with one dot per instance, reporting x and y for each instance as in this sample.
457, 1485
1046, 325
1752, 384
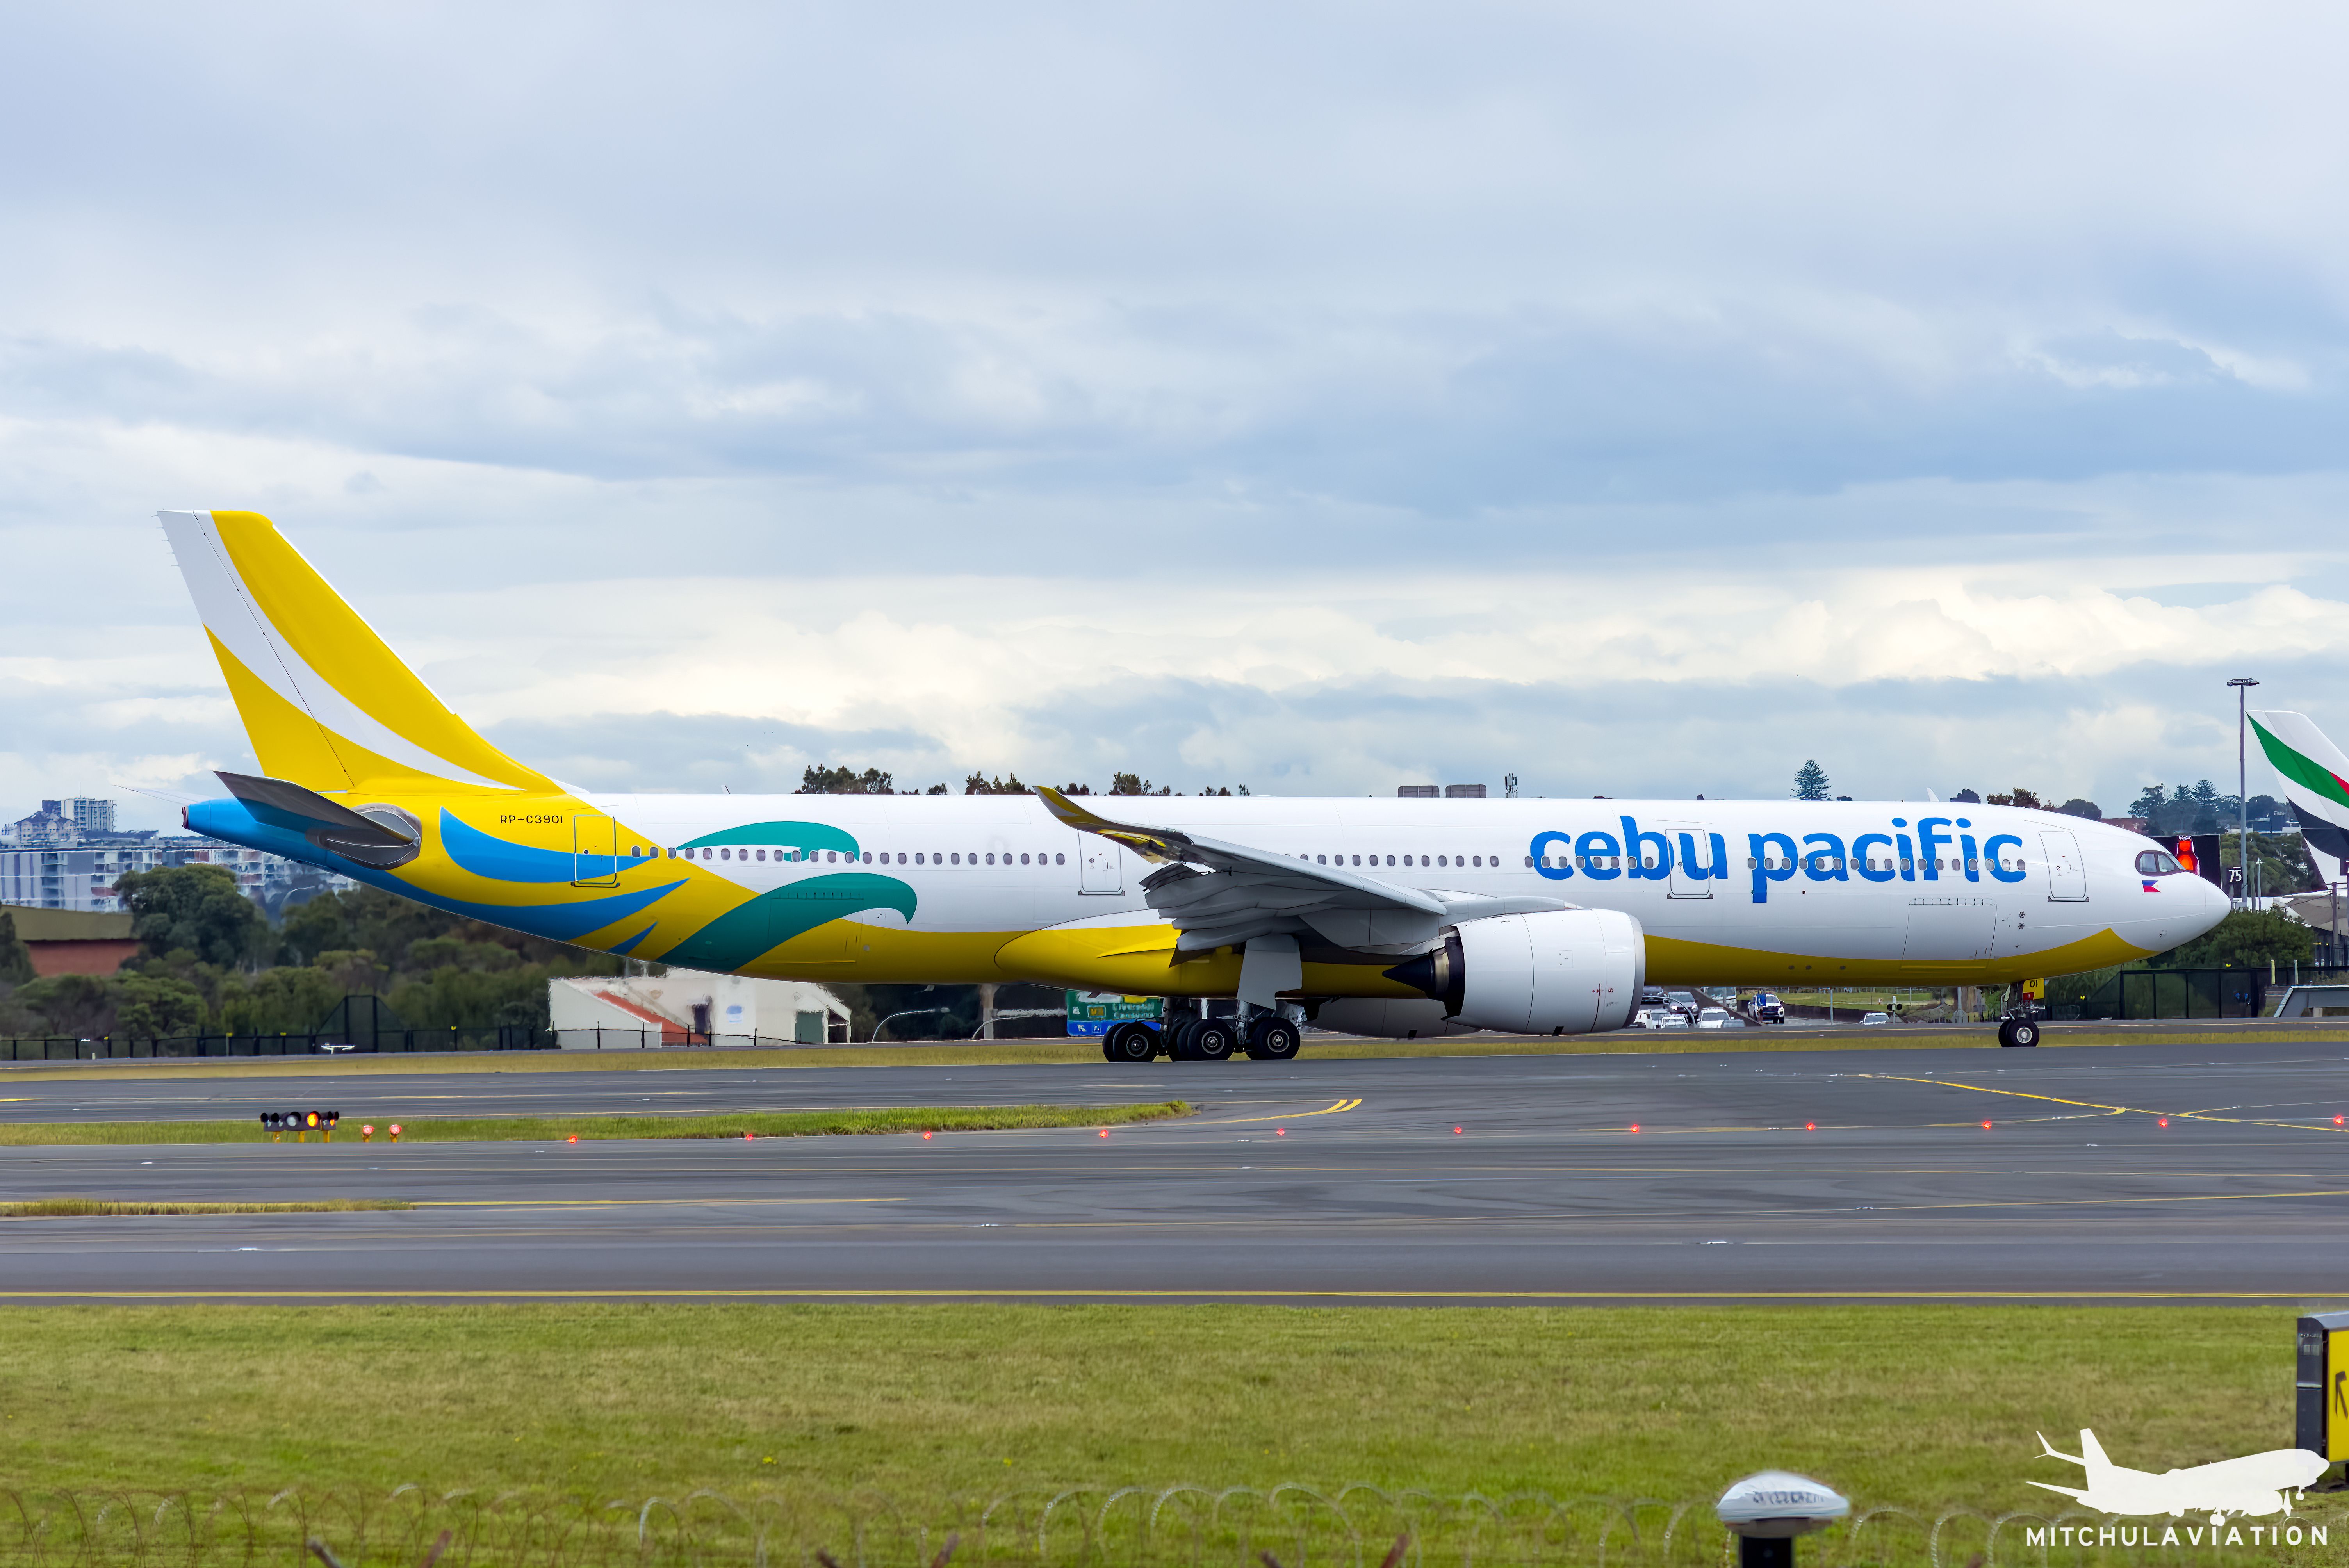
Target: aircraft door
1103, 872
1687, 840
595, 850
2067, 877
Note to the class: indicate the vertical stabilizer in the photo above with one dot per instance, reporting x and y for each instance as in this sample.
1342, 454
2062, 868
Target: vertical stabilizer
326, 703
2315, 778
2092, 1456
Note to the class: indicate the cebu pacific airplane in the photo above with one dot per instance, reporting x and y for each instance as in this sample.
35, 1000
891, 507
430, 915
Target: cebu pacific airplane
1397, 917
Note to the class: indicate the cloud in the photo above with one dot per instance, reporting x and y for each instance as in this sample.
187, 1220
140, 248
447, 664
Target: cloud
1308, 396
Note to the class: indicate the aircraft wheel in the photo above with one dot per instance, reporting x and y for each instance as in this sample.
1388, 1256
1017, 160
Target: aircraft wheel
1130, 1042
1178, 1035
1272, 1040
1211, 1041
2018, 1032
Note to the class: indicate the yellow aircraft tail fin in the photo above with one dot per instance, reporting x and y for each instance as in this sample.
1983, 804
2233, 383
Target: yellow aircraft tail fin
326, 703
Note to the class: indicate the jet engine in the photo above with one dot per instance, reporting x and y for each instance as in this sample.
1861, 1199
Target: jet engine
1559, 972
1386, 1019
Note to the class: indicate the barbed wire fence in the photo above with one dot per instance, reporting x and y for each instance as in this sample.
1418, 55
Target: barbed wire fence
1177, 1526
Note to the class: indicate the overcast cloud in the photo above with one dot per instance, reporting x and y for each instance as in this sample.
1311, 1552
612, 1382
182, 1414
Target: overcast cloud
1321, 397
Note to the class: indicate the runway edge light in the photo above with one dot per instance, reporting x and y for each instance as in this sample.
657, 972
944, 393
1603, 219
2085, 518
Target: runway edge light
2320, 1386
1767, 1509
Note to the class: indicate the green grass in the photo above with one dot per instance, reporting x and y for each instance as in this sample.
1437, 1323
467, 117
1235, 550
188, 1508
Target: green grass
1926, 1406
87, 1208
1081, 1053
588, 1128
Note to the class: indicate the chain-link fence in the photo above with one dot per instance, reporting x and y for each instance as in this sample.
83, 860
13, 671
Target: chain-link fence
1288, 1526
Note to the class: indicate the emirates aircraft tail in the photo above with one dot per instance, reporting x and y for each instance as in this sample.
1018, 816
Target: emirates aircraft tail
2315, 778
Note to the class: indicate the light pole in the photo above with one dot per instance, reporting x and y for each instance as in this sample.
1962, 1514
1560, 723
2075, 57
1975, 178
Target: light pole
2242, 684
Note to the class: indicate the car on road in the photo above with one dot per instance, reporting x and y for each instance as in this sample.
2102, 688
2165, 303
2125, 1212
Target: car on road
1766, 1008
1684, 1003
1719, 1018
1651, 996
1670, 1019
1653, 1018
1878, 1019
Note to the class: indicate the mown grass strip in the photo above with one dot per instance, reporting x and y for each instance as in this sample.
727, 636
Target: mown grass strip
588, 1128
85, 1208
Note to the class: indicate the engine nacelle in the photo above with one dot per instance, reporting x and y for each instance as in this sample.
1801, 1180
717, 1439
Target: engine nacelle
1560, 972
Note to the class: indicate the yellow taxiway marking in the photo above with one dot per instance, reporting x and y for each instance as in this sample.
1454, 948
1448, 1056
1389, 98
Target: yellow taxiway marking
719, 1294
1300, 1116
2097, 1105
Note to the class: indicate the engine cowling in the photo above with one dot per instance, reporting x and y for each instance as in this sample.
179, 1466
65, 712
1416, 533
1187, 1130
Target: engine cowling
1559, 972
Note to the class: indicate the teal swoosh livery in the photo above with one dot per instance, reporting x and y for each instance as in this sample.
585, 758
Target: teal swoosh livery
486, 855
795, 835
773, 918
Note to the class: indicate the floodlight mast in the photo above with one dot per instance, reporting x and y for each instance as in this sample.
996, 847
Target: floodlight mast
2242, 684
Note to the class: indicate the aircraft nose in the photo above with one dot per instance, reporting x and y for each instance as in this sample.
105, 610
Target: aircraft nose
2215, 905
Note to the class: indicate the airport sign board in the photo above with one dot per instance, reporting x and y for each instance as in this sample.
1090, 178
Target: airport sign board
1093, 1012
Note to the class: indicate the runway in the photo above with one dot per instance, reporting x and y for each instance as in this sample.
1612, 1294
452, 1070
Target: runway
1794, 1175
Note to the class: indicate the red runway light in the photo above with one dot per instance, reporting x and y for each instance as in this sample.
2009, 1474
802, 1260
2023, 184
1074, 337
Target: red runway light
1455, 1131
1104, 1132
1985, 1126
1280, 1132
926, 1138
1810, 1126
2336, 1121
2164, 1123
1635, 1127
573, 1138
746, 1136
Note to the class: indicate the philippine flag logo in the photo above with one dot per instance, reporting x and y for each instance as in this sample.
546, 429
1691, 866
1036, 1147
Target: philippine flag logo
2153, 887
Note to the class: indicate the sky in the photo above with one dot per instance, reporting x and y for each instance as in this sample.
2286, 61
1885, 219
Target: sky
1638, 401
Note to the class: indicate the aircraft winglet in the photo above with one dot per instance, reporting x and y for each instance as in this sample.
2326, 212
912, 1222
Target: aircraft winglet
2048, 1448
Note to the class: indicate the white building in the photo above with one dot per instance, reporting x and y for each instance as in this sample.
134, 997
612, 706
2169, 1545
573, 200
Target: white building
69, 855
691, 1007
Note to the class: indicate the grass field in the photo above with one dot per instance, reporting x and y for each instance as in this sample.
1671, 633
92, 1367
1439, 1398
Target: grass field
1085, 1052
556, 1128
1924, 1405
88, 1207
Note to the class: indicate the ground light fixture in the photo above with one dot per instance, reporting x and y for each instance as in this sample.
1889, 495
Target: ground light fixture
1767, 1511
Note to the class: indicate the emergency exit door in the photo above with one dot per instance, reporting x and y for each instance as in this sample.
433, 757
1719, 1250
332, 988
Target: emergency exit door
1102, 871
595, 850
2067, 877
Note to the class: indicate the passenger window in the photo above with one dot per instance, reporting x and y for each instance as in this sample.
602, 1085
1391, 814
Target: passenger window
1023, 860
917, 859
1060, 860
1442, 860
1358, 860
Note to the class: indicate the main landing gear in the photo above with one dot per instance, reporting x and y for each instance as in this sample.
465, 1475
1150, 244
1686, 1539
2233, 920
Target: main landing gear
2018, 1032
1268, 1036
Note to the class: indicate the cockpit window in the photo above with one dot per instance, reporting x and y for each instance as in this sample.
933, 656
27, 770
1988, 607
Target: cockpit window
2154, 863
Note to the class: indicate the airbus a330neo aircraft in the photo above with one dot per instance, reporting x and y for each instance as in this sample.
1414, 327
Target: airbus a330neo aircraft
1398, 917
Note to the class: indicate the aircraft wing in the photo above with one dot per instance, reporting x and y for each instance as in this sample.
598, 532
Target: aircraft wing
1221, 894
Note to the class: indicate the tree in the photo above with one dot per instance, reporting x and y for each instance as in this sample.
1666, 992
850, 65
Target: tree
16, 960
148, 1005
81, 1006
979, 784
194, 909
2026, 799
2151, 803
1811, 783
820, 779
2075, 807
1134, 784
1965, 797
2246, 938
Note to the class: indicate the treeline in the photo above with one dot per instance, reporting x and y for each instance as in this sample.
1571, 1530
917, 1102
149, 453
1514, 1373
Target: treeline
210, 963
829, 780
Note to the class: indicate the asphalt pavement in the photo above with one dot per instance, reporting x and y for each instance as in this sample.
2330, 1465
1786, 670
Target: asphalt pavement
2153, 1173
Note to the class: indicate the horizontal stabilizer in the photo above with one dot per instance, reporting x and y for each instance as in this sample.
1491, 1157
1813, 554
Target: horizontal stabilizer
285, 805
2066, 1491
